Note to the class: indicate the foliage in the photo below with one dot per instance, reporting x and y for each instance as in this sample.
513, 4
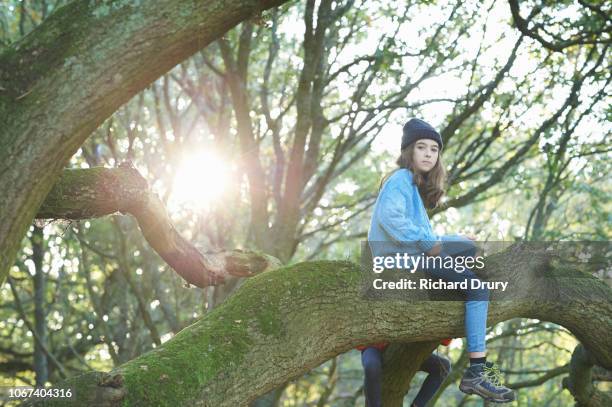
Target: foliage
524, 127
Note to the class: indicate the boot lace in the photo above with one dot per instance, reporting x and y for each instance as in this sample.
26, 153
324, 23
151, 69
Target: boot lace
493, 374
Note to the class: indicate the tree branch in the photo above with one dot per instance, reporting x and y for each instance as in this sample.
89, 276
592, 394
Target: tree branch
580, 383
286, 322
84, 61
96, 192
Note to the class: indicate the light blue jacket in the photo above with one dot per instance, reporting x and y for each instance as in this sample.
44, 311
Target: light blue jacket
399, 219
400, 223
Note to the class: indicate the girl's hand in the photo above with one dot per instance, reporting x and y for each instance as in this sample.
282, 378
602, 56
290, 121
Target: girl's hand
471, 237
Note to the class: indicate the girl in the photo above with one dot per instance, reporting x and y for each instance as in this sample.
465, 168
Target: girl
400, 221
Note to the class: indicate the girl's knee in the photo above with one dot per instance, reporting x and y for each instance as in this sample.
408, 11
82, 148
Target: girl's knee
481, 294
437, 365
476, 291
445, 367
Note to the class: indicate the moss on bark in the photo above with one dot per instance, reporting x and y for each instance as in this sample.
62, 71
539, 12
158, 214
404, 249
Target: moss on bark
74, 70
282, 323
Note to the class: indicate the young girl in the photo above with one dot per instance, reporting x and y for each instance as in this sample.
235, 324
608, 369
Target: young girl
400, 220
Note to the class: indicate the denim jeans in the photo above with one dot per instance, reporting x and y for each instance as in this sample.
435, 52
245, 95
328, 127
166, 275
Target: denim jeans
477, 300
437, 366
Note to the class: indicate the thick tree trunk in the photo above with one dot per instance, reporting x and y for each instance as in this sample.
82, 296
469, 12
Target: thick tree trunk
281, 324
401, 362
62, 80
95, 192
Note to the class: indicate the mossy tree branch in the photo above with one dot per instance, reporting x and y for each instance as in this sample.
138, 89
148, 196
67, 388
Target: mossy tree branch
96, 192
63, 79
281, 324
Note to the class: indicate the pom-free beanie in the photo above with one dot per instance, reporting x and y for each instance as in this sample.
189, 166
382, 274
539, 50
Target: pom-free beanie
416, 129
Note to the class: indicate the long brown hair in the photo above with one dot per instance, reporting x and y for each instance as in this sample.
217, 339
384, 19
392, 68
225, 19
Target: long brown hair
430, 184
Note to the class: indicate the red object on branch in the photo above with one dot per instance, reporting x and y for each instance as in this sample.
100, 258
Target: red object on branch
446, 341
380, 346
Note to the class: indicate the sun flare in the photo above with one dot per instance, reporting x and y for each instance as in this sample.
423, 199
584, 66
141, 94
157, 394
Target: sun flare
200, 179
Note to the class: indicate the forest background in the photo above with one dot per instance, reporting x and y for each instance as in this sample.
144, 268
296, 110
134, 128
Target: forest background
274, 138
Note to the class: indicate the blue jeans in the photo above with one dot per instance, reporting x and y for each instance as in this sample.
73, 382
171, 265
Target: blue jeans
437, 366
477, 300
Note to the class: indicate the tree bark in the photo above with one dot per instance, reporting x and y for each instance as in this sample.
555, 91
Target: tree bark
281, 324
62, 80
580, 381
96, 192
401, 362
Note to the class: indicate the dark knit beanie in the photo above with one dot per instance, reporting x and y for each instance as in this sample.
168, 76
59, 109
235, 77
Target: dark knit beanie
416, 129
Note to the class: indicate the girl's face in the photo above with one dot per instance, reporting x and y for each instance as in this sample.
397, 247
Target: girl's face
425, 154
